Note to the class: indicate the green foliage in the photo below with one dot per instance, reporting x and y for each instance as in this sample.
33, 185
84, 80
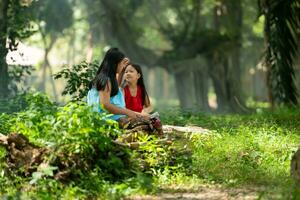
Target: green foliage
17, 75
83, 137
74, 131
26, 100
19, 22
52, 22
253, 150
78, 78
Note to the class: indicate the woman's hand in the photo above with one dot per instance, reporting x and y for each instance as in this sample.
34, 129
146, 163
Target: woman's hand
143, 115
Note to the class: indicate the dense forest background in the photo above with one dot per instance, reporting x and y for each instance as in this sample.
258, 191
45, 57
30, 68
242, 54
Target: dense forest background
201, 55
223, 74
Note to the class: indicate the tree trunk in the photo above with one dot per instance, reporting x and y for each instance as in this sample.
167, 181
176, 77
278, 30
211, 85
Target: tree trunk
226, 69
52, 82
235, 15
268, 54
71, 48
44, 72
166, 91
89, 52
151, 81
185, 90
236, 100
201, 84
46, 65
4, 79
218, 75
201, 89
295, 167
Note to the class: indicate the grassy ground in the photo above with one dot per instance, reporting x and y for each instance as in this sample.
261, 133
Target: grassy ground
244, 151
242, 156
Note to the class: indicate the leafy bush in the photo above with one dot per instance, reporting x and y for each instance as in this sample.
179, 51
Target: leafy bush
78, 78
83, 137
17, 75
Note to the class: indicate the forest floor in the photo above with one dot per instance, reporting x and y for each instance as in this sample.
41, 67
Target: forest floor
207, 156
204, 192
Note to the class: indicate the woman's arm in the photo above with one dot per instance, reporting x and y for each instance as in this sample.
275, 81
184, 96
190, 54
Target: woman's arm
148, 109
105, 101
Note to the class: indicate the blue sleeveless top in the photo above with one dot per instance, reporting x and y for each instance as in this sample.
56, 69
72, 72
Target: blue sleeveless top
93, 100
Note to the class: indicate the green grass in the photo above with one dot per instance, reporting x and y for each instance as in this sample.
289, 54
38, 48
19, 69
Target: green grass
252, 151
244, 150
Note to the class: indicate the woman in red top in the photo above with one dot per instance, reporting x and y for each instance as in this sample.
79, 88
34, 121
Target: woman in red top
136, 96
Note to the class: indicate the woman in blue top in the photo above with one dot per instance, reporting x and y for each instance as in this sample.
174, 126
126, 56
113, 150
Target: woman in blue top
104, 92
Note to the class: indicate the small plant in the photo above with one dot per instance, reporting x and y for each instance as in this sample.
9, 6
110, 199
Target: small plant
78, 78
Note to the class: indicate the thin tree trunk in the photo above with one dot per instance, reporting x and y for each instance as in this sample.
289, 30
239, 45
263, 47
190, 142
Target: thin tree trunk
52, 81
268, 53
4, 80
89, 53
71, 47
44, 68
151, 81
46, 65
165, 84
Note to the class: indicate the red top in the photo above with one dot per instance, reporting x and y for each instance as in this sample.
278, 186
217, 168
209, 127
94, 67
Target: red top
134, 103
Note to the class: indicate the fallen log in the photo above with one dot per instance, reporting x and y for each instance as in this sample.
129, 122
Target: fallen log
184, 129
170, 133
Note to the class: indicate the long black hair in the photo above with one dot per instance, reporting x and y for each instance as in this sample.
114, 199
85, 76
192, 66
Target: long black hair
140, 82
107, 71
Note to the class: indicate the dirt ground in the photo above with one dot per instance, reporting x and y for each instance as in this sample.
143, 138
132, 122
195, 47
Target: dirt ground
201, 193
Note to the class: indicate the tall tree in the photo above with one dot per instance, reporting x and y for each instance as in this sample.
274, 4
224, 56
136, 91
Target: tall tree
182, 27
52, 17
3, 50
282, 24
14, 25
226, 76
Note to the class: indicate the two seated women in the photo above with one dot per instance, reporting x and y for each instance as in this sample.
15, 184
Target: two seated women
114, 77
